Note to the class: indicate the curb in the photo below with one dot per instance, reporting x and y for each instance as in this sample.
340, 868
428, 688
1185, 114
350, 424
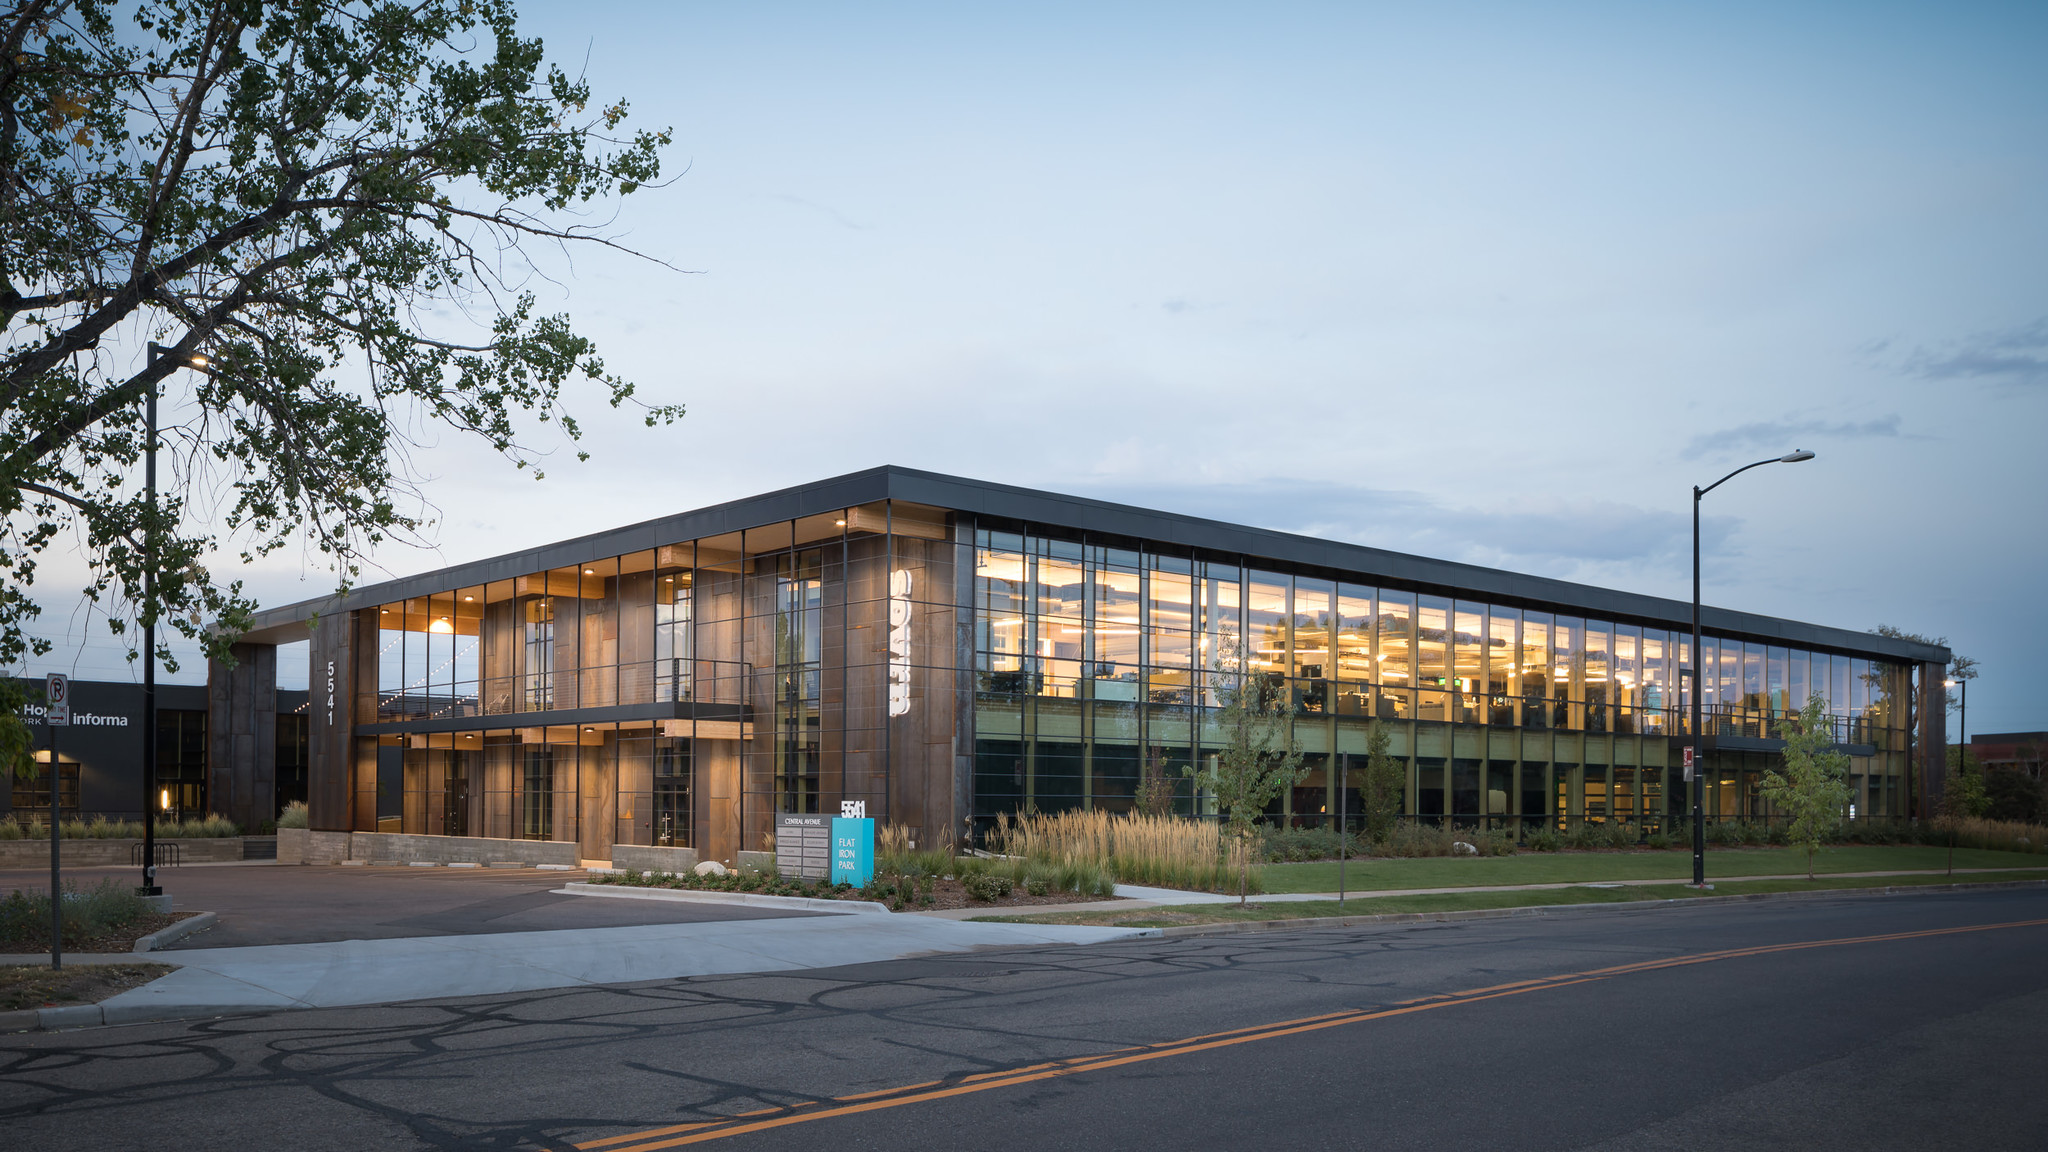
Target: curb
199, 922
1550, 909
697, 896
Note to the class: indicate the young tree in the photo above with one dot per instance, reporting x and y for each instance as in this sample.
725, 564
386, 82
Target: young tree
1386, 786
1259, 758
1154, 794
277, 193
1812, 783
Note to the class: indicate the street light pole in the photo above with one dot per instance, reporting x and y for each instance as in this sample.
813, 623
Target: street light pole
149, 558
149, 737
1699, 764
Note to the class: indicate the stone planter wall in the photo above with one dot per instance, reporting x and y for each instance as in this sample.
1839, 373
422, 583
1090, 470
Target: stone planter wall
401, 848
644, 858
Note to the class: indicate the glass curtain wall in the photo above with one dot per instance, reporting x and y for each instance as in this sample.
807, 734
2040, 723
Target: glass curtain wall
1096, 666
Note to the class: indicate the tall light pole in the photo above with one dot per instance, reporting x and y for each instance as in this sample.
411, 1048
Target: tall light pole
1699, 681
1962, 680
149, 735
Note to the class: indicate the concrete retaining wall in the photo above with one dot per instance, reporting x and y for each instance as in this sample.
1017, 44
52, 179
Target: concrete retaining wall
90, 853
642, 858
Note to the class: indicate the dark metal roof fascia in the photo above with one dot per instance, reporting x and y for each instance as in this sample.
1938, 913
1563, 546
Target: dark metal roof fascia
784, 504
1053, 509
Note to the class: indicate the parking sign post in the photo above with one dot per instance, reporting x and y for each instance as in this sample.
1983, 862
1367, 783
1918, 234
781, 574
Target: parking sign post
57, 714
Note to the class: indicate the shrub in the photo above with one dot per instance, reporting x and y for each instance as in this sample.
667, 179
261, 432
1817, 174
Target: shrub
987, 886
294, 815
1296, 844
1544, 839
1415, 839
88, 912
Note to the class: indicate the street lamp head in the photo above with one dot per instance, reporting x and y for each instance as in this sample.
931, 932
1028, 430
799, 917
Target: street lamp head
1795, 456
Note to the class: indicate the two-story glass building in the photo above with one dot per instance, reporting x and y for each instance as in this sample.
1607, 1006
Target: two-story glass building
947, 650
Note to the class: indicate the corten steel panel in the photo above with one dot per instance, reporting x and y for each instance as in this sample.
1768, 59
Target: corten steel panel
241, 734
920, 780
717, 767
1023, 507
597, 782
364, 757
962, 750
1933, 737
331, 712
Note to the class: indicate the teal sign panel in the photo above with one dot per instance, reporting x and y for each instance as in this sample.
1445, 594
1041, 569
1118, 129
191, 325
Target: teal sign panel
853, 851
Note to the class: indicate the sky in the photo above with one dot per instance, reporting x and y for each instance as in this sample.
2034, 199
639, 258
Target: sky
1491, 282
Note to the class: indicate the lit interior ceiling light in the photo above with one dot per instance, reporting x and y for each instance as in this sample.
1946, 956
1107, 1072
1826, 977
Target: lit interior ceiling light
440, 624
840, 523
589, 572
468, 599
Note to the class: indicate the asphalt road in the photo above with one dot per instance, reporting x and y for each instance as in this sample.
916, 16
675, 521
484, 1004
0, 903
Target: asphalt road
292, 904
1874, 1023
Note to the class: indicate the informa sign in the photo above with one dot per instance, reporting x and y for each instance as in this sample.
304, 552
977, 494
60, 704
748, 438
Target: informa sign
57, 700
853, 851
803, 845
1688, 765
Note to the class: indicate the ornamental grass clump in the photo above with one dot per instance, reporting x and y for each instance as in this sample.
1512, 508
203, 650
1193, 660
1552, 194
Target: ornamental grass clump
1997, 835
1108, 847
101, 828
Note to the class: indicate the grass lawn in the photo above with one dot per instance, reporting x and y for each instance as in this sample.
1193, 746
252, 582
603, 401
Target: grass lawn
1170, 915
1581, 867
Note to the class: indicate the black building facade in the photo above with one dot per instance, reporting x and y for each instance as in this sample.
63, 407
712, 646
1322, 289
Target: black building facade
101, 757
947, 650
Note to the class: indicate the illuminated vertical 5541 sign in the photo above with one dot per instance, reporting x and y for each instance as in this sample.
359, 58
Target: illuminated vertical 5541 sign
899, 643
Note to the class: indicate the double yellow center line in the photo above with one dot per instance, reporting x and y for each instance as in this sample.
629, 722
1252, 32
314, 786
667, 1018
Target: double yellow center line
698, 1132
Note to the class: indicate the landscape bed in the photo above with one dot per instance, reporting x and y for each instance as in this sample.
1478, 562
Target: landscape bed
25, 986
107, 917
899, 893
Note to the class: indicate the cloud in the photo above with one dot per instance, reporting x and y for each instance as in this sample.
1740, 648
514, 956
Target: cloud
1785, 435
2014, 356
1582, 541
828, 212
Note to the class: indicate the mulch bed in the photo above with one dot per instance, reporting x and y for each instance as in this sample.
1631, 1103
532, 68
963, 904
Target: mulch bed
35, 986
120, 939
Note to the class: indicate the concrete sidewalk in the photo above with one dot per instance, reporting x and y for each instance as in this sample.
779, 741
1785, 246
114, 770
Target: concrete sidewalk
1366, 893
222, 981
